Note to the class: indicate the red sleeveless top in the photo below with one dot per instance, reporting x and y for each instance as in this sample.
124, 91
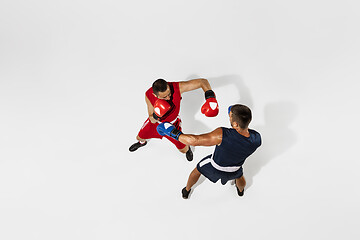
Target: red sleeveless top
174, 101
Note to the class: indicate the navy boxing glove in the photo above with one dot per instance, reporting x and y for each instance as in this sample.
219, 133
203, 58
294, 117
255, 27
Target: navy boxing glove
168, 129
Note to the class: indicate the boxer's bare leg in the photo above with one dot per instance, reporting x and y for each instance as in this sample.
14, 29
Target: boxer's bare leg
193, 178
240, 184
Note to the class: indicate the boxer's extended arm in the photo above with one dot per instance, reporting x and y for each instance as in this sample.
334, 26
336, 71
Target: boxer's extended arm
193, 84
207, 139
150, 108
210, 107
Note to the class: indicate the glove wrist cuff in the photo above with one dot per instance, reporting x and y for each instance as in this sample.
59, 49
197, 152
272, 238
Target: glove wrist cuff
156, 117
209, 94
176, 133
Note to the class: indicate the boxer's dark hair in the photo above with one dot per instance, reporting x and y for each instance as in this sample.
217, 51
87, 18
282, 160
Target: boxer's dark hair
241, 115
160, 85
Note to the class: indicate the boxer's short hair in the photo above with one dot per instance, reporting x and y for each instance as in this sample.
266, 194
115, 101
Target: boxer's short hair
160, 85
241, 115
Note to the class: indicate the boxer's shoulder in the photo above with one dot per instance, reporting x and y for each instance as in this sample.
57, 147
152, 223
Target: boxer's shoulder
150, 95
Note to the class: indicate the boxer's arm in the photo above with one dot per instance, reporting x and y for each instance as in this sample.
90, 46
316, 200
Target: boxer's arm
207, 139
193, 84
150, 108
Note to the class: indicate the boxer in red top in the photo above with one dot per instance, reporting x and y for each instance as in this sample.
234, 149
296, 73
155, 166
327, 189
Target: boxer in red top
163, 103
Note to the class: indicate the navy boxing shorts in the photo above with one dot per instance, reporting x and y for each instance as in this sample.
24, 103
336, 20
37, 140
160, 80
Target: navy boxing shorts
214, 174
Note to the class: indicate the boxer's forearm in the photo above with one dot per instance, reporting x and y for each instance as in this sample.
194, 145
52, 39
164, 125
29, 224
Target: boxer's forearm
196, 140
152, 119
205, 85
208, 139
194, 84
189, 139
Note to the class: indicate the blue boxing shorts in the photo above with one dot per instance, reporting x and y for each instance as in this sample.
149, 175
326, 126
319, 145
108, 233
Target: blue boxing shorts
206, 168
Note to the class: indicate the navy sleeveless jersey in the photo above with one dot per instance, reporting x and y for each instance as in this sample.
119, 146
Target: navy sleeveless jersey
235, 148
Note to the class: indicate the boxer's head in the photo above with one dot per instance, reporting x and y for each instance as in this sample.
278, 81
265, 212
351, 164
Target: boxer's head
240, 116
161, 89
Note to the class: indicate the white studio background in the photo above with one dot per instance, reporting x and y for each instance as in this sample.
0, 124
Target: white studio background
72, 80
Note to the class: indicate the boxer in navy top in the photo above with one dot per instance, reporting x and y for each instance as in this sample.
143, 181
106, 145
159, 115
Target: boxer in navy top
233, 146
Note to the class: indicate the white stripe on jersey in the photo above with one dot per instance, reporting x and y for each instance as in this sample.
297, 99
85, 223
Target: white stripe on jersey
145, 123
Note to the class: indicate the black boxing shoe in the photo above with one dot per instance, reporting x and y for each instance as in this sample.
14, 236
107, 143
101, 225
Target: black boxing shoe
189, 155
185, 193
238, 191
137, 145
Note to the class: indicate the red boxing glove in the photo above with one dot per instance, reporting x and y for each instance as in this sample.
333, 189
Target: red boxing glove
210, 107
161, 107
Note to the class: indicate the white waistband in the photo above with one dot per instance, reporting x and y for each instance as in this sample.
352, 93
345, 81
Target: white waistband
218, 167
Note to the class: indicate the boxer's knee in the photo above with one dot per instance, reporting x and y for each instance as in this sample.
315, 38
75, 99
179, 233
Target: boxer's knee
195, 173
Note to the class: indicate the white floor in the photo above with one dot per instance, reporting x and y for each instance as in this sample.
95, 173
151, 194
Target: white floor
72, 81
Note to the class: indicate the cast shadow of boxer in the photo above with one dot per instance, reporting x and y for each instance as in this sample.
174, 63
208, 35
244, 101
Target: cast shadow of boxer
191, 104
233, 81
277, 137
